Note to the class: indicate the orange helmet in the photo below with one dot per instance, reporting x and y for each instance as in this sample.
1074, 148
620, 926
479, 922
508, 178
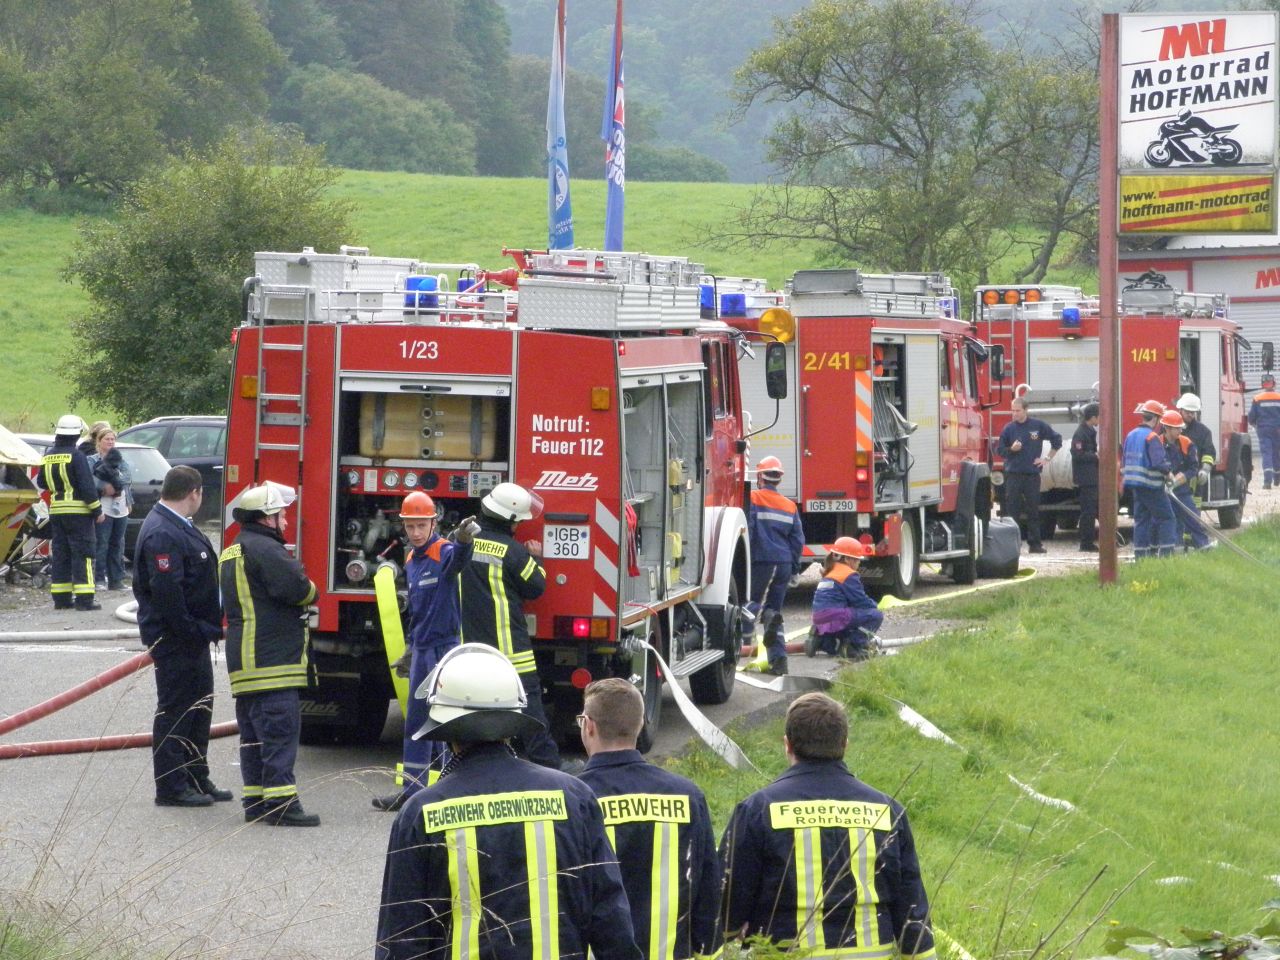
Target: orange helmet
418, 506
771, 467
849, 547
1153, 407
1172, 418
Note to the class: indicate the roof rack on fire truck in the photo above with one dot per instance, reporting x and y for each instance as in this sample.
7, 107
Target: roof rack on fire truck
1047, 309
1178, 302
842, 291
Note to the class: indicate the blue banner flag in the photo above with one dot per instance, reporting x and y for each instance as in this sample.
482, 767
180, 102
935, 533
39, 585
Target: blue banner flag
559, 210
614, 134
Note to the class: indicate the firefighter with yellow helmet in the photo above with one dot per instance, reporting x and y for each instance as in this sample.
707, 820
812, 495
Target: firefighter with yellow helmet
777, 544
266, 593
500, 857
431, 568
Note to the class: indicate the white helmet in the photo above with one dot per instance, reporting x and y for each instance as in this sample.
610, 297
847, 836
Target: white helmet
69, 425
1188, 401
510, 501
268, 499
473, 695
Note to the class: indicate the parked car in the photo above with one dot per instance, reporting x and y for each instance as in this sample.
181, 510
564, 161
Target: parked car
148, 467
199, 442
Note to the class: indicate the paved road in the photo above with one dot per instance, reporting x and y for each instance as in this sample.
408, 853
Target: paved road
81, 832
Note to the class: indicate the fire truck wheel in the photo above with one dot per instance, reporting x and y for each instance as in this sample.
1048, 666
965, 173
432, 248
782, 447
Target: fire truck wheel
1229, 517
904, 569
651, 690
714, 684
965, 570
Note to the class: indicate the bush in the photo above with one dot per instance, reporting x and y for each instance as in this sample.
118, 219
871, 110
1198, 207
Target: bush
672, 164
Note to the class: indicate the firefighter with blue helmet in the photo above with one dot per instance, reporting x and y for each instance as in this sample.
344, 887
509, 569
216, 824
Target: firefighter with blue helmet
1146, 473
659, 825
1184, 467
499, 859
819, 860
777, 544
1264, 417
74, 508
431, 568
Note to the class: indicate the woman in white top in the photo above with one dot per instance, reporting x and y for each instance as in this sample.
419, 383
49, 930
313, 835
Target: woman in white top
112, 475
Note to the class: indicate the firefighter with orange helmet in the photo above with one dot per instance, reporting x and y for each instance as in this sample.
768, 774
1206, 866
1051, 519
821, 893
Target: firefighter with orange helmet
1184, 466
431, 568
1264, 416
777, 543
844, 617
1146, 469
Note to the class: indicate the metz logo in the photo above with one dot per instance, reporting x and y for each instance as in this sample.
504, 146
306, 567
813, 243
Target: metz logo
559, 480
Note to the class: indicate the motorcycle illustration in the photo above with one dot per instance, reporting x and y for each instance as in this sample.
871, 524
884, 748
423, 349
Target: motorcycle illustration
1147, 280
1192, 139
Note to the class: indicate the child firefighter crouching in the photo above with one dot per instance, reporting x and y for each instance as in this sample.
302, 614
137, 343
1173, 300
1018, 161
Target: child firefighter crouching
844, 617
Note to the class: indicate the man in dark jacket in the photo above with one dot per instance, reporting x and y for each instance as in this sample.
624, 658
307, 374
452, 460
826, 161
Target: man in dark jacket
1022, 446
74, 508
659, 826
1198, 433
176, 585
821, 860
266, 593
499, 859
1084, 474
501, 575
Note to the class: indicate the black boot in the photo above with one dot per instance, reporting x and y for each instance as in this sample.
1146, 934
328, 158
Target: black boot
291, 814
390, 803
208, 787
63, 601
86, 602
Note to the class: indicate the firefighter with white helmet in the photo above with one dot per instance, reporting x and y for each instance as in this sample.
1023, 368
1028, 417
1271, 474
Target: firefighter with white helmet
1146, 469
266, 593
74, 508
1198, 433
777, 544
500, 857
501, 575
844, 617
431, 568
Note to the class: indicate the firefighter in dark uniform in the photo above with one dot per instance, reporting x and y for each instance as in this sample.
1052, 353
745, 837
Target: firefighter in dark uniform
74, 508
820, 859
1264, 417
499, 859
175, 581
502, 574
1084, 474
1022, 446
1184, 465
658, 824
777, 544
1199, 434
266, 593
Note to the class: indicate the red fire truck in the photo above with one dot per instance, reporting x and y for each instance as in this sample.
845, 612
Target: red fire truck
590, 378
881, 432
1046, 338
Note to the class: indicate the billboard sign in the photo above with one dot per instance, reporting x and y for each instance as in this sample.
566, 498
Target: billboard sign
1240, 202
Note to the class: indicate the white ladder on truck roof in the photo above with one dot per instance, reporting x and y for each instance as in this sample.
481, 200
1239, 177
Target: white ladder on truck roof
284, 351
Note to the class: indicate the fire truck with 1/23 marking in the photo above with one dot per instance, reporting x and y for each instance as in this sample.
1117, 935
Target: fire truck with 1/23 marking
590, 378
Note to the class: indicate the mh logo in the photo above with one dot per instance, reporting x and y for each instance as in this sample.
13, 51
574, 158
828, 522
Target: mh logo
1193, 39
559, 480
1270, 277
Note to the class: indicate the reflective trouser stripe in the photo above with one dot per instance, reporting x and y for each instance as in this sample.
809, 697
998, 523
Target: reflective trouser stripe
59, 588
862, 846
279, 793
664, 891
400, 771
808, 844
252, 793
87, 586
464, 884
544, 892
859, 953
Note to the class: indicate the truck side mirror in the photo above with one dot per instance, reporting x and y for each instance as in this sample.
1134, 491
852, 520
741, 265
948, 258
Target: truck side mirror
775, 370
1268, 355
997, 361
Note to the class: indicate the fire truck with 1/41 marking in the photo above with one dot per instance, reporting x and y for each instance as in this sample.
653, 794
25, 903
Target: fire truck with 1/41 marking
590, 378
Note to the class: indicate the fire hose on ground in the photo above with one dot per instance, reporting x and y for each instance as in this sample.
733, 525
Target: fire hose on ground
46, 748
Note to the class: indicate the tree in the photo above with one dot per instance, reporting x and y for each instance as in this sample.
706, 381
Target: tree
368, 127
648, 162
903, 148
164, 277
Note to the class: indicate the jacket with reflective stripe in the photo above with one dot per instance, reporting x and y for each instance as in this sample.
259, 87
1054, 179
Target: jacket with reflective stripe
502, 859
659, 824
65, 473
777, 535
502, 574
263, 587
1145, 464
1264, 412
840, 600
820, 858
1183, 458
1202, 437
429, 573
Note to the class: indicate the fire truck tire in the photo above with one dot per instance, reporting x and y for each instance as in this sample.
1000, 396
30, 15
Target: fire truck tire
1229, 517
714, 684
904, 569
651, 690
965, 570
